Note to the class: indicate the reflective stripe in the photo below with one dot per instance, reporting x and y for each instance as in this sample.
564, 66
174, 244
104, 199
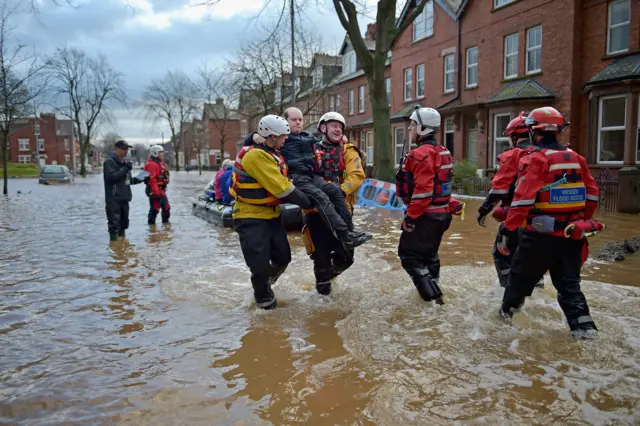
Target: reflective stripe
285, 193
583, 319
593, 198
549, 152
523, 203
420, 196
447, 166
505, 271
498, 191
436, 206
564, 166
265, 304
445, 152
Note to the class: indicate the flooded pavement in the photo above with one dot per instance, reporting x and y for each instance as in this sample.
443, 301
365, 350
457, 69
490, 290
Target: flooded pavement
161, 328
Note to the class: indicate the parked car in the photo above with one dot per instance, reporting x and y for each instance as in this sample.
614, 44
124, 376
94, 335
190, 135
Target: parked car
55, 174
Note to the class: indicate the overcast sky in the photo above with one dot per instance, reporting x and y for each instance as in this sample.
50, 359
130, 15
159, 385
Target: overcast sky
157, 36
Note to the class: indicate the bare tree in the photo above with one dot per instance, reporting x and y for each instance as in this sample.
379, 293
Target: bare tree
222, 96
20, 69
172, 99
107, 143
85, 89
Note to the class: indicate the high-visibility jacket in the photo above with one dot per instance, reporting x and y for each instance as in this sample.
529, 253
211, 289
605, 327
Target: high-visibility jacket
424, 181
553, 181
504, 182
259, 183
158, 177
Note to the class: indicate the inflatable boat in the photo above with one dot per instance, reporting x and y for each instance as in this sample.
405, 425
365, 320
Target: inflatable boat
220, 214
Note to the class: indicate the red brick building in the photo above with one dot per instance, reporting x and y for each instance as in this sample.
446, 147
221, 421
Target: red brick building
45, 140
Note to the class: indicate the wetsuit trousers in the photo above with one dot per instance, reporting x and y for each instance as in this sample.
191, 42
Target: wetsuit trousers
418, 251
330, 257
157, 204
266, 252
562, 257
502, 262
117, 216
328, 200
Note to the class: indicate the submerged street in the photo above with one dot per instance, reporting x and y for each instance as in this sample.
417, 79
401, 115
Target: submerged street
161, 328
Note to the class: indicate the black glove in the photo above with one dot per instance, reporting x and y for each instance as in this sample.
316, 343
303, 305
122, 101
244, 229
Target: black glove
408, 224
128, 165
483, 211
506, 241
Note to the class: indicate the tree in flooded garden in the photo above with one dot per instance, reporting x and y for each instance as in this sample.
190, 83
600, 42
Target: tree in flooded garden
173, 99
21, 82
84, 89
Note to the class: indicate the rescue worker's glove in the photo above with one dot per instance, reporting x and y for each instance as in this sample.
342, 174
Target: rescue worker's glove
505, 236
408, 224
128, 165
456, 207
483, 211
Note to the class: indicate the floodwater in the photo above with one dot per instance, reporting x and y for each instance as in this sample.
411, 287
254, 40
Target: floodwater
161, 328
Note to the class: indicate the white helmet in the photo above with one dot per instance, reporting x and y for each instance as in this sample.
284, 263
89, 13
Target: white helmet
332, 116
428, 120
273, 125
155, 149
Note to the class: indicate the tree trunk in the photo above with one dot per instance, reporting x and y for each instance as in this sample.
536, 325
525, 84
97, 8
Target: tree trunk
383, 147
199, 162
5, 162
83, 156
176, 149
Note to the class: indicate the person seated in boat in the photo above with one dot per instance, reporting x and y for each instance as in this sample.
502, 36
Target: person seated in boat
216, 181
225, 183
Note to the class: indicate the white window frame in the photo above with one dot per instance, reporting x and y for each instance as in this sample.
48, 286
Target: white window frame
620, 24
337, 103
369, 144
419, 80
351, 102
613, 128
497, 137
387, 88
349, 63
533, 48
509, 55
361, 99
396, 144
408, 83
40, 144
66, 144
67, 158
470, 66
451, 72
21, 144
332, 103
469, 129
24, 159
244, 130
423, 24
500, 3
449, 121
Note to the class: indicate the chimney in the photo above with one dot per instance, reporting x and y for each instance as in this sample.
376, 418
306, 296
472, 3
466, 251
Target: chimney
371, 32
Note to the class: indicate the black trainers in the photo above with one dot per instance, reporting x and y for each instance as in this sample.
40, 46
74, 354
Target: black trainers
355, 239
507, 316
585, 332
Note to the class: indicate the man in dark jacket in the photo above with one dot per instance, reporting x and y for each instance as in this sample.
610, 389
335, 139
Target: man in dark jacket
117, 190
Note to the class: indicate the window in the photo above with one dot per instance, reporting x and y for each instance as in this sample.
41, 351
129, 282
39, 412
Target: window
23, 144
511, 56
448, 73
499, 3
67, 159
351, 101
338, 103
618, 34
423, 24
611, 127
40, 144
361, 140
420, 81
243, 128
448, 134
472, 67
24, 159
349, 63
398, 134
500, 141
66, 144
408, 84
534, 50
369, 145
317, 76
332, 103
387, 88
472, 140
361, 99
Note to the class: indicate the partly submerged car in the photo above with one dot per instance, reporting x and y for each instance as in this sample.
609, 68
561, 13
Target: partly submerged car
55, 174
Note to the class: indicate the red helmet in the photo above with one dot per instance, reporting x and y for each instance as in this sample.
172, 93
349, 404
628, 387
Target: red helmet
546, 119
517, 126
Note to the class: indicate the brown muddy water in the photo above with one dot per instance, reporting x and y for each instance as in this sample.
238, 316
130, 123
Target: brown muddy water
161, 329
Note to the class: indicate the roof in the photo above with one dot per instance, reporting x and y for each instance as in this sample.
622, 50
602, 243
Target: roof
625, 68
405, 112
219, 112
453, 8
525, 89
325, 60
371, 44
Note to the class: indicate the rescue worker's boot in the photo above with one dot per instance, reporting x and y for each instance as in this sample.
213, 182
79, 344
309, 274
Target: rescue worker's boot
583, 328
113, 236
428, 289
274, 273
121, 233
324, 288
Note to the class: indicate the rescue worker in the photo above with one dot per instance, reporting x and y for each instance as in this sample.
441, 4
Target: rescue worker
555, 195
157, 185
424, 182
260, 185
339, 163
117, 189
502, 189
